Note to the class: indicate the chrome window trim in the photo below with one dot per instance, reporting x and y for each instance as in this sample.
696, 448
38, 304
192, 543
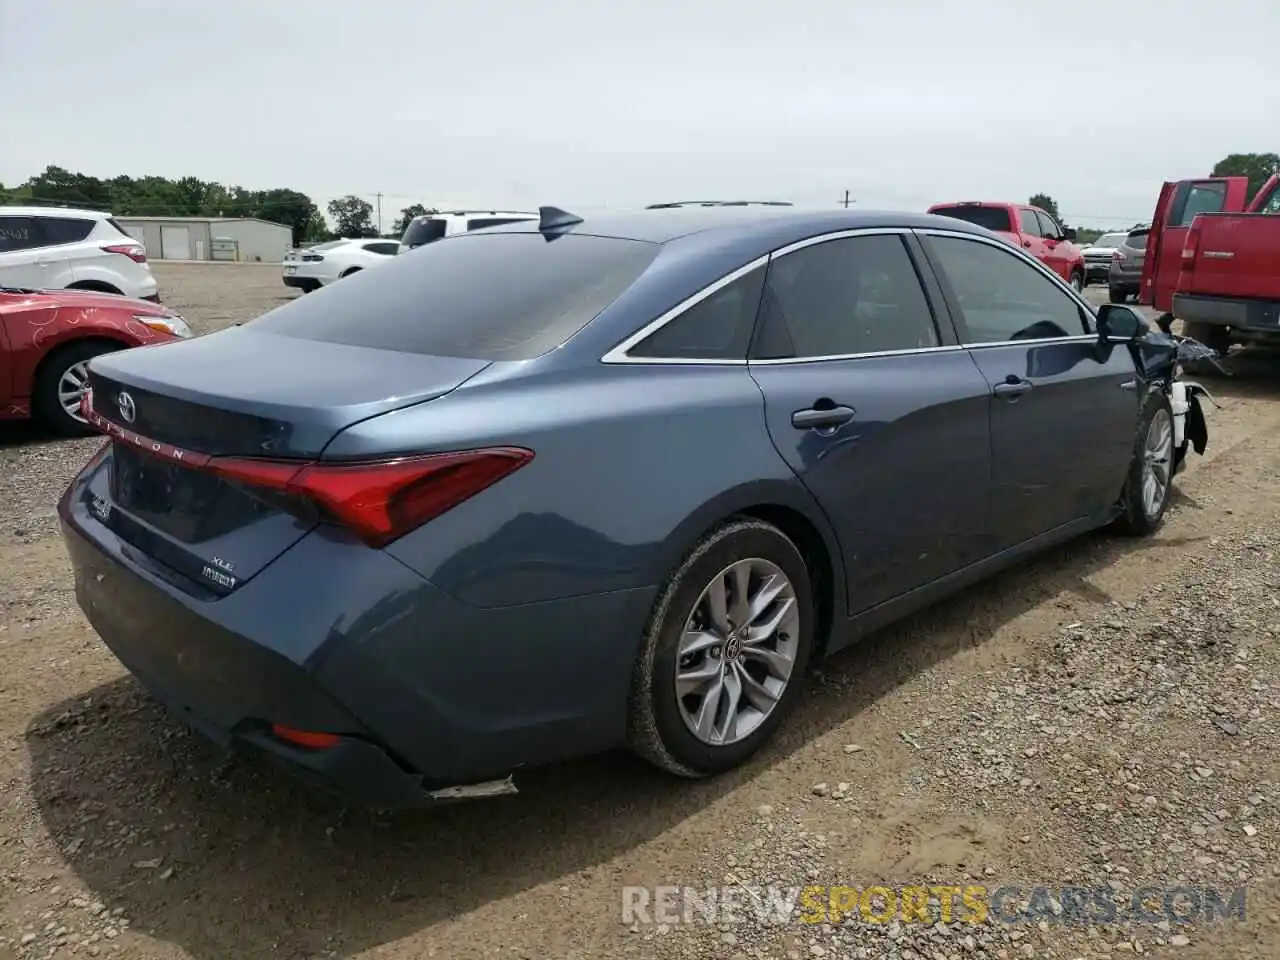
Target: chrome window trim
619, 353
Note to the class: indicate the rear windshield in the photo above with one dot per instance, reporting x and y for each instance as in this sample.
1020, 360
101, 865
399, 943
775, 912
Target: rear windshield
993, 218
1138, 239
489, 296
326, 246
423, 231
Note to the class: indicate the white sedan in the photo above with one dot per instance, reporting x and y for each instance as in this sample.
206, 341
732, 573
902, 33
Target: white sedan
314, 267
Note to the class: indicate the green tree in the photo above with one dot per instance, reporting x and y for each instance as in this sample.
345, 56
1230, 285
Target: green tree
353, 217
1258, 167
316, 231
1047, 204
408, 213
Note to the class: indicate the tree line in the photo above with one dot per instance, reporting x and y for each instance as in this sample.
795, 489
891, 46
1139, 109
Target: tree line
153, 196
353, 216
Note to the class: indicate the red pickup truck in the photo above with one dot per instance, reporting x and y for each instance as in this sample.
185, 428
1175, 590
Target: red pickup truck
1027, 227
1212, 263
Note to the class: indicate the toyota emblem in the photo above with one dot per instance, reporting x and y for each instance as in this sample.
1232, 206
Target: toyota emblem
127, 409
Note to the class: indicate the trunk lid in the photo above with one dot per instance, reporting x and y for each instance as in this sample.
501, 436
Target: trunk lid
239, 394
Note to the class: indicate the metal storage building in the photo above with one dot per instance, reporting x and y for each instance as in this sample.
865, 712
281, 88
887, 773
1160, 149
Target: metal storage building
246, 239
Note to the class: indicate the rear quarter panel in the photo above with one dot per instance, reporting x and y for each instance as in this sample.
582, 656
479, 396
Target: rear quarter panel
632, 464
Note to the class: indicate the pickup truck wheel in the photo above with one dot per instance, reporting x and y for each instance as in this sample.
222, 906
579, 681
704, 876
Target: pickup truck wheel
1077, 282
1145, 496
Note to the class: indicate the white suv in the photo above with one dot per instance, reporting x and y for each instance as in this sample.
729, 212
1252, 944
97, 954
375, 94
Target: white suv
434, 226
57, 248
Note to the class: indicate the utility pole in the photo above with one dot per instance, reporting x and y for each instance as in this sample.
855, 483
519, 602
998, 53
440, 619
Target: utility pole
847, 201
379, 196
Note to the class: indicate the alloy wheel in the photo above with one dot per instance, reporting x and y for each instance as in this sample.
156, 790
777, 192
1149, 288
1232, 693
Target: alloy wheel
1157, 457
737, 651
71, 388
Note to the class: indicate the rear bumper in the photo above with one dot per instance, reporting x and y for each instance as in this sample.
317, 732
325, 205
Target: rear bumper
300, 282
425, 692
1259, 318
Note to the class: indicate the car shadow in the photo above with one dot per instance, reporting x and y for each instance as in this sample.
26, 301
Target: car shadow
21, 433
119, 785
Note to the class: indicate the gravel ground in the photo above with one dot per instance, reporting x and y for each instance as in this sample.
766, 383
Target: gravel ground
1105, 716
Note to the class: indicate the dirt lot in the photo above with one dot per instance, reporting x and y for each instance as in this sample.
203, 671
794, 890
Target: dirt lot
1107, 715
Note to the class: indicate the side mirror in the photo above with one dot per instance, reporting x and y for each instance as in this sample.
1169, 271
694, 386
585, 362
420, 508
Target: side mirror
1069, 233
1120, 324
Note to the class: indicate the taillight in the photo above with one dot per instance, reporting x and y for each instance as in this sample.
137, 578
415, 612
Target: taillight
383, 500
1117, 256
1190, 246
135, 252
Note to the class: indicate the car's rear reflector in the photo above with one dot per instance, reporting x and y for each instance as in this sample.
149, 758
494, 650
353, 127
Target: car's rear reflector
305, 738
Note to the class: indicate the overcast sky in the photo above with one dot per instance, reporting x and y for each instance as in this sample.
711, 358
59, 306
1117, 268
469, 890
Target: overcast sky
588, 102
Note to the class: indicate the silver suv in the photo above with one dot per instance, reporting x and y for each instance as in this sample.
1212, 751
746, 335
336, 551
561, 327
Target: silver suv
1125, 276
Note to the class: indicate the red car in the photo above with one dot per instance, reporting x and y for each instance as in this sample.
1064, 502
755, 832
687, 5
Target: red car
48, 337
1027, 227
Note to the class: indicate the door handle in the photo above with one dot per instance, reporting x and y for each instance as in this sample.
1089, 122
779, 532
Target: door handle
1129, 385
1012, 388
822, 416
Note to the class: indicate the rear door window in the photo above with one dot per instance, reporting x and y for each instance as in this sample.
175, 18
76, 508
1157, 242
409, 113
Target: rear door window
993, 218
841, 298
58, 230
424, 230
1029, 223
18, 233
489, 296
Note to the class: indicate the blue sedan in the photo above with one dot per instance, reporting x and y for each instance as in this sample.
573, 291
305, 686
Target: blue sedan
570, 484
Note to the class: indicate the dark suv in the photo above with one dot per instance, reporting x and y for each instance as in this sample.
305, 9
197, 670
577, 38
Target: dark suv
1125, 274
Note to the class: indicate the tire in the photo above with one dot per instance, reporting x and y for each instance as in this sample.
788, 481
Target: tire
46, 399
1077, 282
1117, 295
658, 730
1142, 516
